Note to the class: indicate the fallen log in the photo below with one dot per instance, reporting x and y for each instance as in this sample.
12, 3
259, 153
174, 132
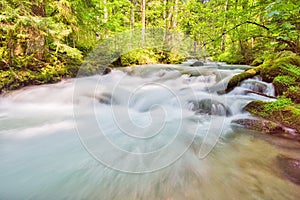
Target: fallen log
259, 93
237, 79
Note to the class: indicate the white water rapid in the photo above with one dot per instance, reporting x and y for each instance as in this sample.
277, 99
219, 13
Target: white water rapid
149, 132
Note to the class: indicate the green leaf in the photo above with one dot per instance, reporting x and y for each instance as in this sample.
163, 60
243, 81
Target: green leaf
271, 14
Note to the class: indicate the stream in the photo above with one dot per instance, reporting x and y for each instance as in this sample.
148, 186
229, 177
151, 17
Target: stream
159, 132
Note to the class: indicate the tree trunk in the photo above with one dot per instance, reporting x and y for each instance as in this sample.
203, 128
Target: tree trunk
223, 43
105, 13
105, 16
132, 15
175, 14
38, 9
143, 15
165, 10
36, 42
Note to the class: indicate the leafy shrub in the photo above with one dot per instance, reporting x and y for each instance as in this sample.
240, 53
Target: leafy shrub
230, 57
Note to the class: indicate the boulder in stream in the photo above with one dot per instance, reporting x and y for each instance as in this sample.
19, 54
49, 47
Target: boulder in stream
197, 64
259, 125
290, 168
107, 70
281, 111
262, 127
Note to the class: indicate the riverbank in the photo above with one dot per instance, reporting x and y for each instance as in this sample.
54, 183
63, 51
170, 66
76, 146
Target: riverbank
283, 71
18, 76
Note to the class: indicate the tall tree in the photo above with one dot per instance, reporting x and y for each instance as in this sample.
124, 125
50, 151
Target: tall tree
143, 16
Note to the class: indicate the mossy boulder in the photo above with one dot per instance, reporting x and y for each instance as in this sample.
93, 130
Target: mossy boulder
282, 111
256, 108
148, 56
237, 79
288, 66
258, 125
15, 78
197, 64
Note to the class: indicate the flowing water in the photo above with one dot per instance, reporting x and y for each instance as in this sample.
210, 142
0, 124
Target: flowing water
149, 132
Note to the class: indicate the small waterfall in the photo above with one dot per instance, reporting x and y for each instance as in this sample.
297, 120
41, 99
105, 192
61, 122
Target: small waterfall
209, 106
255, 85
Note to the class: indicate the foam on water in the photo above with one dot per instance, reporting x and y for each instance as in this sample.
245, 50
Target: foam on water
136, 136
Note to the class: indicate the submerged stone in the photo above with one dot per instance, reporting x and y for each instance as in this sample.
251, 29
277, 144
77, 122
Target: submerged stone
260, 125
290, 168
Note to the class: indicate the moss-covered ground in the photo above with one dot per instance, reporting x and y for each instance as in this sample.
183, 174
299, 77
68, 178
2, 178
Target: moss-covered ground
283, 70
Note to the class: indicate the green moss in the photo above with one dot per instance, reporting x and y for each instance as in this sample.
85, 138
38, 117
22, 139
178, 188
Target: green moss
256, 108
285, 80
283, 70
282, 111
237, 79
297, 110
148, 56
281, 66
138, 57
15, 78
266, 109
282, 83
277, 105
283, 54
293, 92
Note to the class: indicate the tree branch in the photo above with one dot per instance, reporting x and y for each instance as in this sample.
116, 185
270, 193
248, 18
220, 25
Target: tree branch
291, 44
260, 25
235, 27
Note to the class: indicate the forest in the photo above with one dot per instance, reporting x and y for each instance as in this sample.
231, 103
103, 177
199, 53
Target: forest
42, 41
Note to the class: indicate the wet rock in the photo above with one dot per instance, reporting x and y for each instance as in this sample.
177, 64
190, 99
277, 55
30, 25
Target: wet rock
210, 106
280, 111
259, 125
290, 168
107, 70
288, 65
255, 86
197, 64
106, 98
